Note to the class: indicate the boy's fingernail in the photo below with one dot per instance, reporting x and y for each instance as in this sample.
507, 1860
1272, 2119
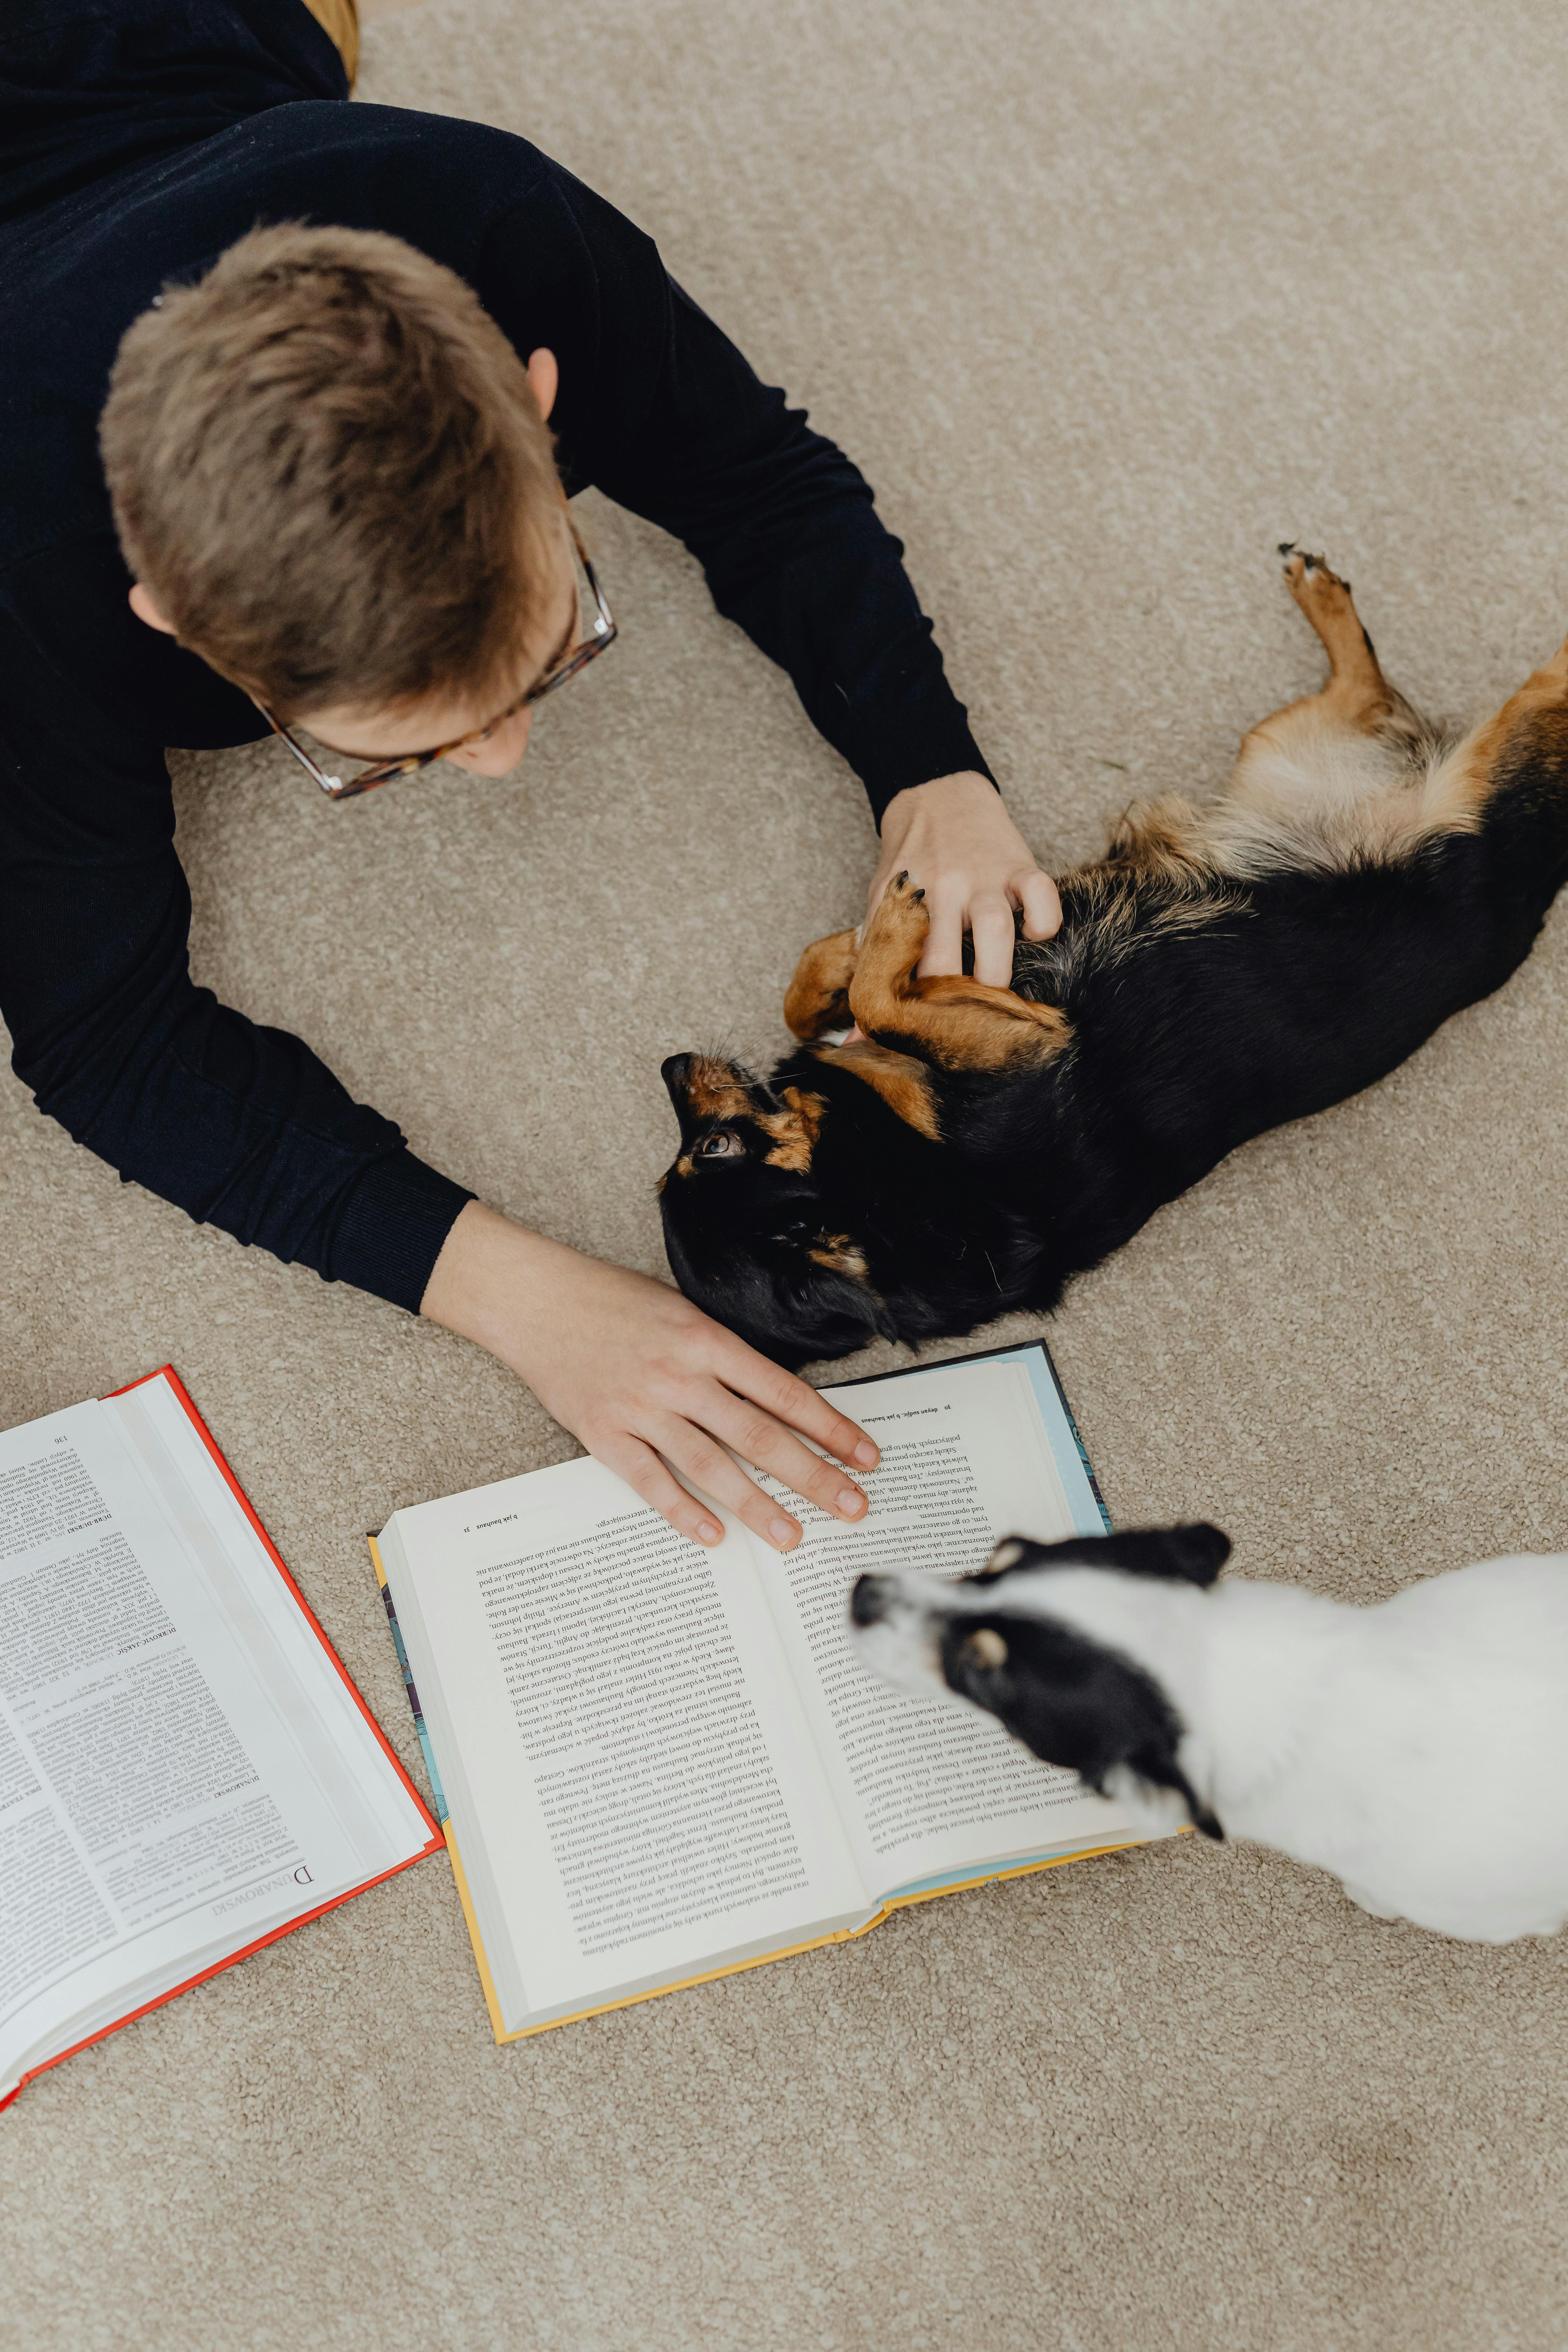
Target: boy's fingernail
865, 1453
708, 1532
850, 1503
782, 1531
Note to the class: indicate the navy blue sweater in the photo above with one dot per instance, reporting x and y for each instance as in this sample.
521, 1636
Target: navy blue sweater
139, 138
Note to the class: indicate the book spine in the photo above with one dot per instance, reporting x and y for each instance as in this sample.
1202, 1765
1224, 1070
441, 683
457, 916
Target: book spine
443, 1810
1076, 1437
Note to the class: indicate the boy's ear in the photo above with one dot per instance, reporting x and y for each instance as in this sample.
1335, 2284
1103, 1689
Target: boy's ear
544, 372
145, 606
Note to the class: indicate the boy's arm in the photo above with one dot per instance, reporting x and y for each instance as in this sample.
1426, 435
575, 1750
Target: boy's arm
668, 417
244, 1127
241, 1126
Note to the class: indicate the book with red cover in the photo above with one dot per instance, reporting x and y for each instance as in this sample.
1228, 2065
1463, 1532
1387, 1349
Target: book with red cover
186, 1772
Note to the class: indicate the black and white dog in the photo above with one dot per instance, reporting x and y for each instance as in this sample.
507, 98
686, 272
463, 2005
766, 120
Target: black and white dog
1419, 1749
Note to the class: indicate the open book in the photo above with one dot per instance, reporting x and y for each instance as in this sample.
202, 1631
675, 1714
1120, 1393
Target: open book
185, 1770
658, 1764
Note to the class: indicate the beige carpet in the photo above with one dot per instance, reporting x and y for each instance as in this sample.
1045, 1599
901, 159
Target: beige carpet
1106, 300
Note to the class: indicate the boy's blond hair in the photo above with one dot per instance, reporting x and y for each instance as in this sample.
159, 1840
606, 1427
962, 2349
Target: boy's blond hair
328, 467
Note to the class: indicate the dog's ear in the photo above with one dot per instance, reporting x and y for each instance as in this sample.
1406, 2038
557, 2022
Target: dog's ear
1076, 1703
1192, 1555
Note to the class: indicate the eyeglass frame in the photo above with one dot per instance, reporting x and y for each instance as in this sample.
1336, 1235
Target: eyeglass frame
386, 771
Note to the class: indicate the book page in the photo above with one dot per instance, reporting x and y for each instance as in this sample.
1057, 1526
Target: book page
926, 1785
632, 1787
178, 1768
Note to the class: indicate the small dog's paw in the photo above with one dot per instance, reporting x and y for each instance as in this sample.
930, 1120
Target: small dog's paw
817, 999
903, 910
1307, 572
898, 928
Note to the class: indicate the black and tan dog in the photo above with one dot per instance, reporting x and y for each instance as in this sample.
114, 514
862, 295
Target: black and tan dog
1221, 971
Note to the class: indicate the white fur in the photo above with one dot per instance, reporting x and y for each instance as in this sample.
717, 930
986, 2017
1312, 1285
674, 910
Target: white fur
1417, 1750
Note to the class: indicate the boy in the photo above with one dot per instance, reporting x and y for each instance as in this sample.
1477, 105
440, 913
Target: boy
328, 500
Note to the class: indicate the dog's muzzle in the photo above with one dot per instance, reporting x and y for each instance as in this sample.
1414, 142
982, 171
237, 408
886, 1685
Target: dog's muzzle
868, 1601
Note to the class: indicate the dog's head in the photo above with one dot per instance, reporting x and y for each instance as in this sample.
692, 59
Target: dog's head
1033, 1642
750, 1228
813, 1215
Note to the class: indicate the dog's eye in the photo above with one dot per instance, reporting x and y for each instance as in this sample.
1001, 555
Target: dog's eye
722, 1144
795, 1231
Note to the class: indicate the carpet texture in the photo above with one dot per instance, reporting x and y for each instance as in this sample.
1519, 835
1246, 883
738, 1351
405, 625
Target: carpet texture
1107, 302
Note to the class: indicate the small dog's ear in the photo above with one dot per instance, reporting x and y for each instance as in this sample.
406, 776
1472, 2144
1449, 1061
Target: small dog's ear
1192, 1555
1014, 1551
1197, 1552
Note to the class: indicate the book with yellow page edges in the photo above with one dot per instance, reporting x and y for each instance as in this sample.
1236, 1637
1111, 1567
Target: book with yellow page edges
657, 1764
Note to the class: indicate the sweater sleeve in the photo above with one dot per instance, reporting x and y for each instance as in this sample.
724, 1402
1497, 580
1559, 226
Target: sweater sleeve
239, 1125
677, 427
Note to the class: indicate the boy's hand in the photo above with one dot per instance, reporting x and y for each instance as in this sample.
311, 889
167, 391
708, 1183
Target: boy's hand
959, 844
635, 1370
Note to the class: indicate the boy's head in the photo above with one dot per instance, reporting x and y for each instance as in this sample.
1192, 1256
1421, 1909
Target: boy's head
333, 479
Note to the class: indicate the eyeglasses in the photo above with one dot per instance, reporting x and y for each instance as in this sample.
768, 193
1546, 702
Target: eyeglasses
593, 612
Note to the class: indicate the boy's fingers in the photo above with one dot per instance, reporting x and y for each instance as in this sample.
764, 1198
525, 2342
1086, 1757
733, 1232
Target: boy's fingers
944, 942
765, 1443
991, 926
645, 1474
1041, 904
694, 1454
797, 1403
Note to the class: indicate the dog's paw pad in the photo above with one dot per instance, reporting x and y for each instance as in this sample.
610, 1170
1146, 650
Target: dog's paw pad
1305, 572
1299, 561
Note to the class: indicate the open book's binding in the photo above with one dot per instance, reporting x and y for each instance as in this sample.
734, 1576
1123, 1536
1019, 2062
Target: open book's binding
167, 1372
1033, 1353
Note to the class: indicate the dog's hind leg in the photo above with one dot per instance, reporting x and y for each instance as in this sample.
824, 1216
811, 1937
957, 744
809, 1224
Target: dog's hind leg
1520, 753
1357, 695
954, 1023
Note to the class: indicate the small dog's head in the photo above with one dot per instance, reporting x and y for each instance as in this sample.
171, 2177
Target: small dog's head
1024, 1641
749, 1228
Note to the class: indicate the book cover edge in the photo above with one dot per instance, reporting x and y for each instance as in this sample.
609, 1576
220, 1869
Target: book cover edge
231, 1960
286, 1927
816, 1943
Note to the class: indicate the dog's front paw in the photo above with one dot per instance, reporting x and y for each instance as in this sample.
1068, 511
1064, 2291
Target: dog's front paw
902, 916
818, 997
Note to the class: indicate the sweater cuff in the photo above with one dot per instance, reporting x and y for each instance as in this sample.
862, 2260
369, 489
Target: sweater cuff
391, 1228
953, 759
913, 743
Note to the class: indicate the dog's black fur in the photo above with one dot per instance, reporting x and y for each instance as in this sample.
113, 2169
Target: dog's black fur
1207, 994
1074, 1703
